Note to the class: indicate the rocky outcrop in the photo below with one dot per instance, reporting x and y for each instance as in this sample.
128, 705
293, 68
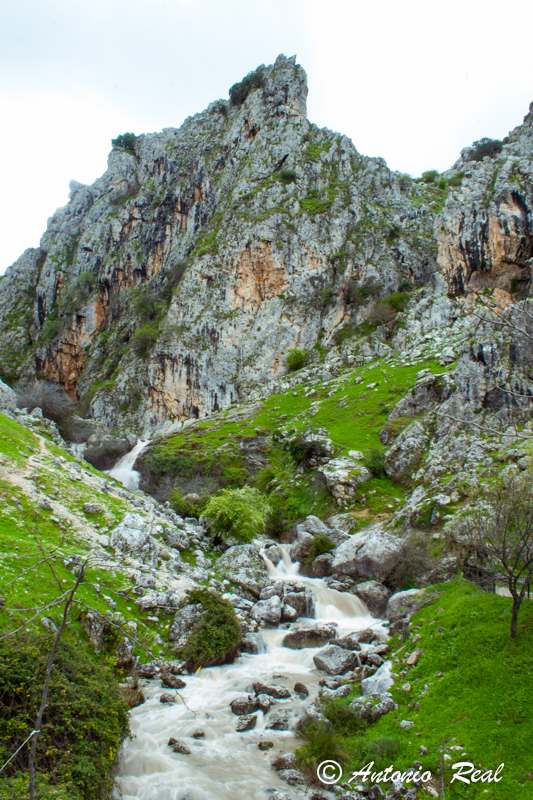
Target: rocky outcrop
8, 398
372, 553
179, 279
485, 230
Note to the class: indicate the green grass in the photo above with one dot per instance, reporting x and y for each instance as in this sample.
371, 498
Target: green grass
481, 702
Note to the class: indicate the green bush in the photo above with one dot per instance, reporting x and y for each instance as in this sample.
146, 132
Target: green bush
83, 726
346, 332
145, 338
184, 506
457, 179
483, 148
296, 359
360, 293
216, 637
375, 462
287, 176
126, 142
240, 91
239, 513
321, 544
430, 176
398, 301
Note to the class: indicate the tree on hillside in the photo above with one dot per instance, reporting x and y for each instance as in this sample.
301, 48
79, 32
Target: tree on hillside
501, 533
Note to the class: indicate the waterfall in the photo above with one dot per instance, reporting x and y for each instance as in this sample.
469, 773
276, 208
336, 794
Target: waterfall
123, 470
224, 764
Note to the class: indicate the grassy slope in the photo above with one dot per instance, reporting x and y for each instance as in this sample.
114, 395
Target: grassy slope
23, 527
481, 703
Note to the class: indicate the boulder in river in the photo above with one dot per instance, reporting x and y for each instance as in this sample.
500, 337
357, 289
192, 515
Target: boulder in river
283, 761
244, 705
267, 612
280, 692
371, 553
335, 660
246, 723
374, 595
279, 721
309, 637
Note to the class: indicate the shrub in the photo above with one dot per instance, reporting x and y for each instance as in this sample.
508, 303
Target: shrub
84, 723
322, 743
51, 397
405, 286
430, 176
360, 293
484, 147
321, 544
296, 359
398, 301
186, 505
375, 462
381, 314
220, 108
239, 513
383, 750
346, 332
144, 307
456, 179
413, 562
216, 637
287, 176
240, 91
301, 449
126, 142
144, 339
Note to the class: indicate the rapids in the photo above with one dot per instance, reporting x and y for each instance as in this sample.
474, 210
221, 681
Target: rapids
226, 765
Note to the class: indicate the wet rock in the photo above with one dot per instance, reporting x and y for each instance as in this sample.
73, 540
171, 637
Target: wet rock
321, 566
283, 761
184, 621
179, 747
265, 745
274, 554
172, 681
198, 733
288, 613
279, 721
381, 681
371, 553
244, 565
301, 689
246, 723
267, 612
309, 637
302, 602
244, 705
405, 603
104, 450
149, 670
167, 698
280, 692
366, 636
349, 642
253, 643
293, 777
302, 545
335, 660
264, 702
374, 659
374, 595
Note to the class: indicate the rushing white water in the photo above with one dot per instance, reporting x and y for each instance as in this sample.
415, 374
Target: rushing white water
226, 765
123, 470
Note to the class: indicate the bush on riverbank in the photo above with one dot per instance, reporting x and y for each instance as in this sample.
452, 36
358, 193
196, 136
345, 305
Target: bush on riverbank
215, 639
84, 723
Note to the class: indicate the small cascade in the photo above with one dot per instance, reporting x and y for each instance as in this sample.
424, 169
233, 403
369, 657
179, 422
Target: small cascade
123, 470
225, 764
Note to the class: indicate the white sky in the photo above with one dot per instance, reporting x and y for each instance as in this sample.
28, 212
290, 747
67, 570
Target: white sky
413, 82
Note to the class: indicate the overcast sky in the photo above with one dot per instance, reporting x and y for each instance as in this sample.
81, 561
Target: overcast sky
413, 82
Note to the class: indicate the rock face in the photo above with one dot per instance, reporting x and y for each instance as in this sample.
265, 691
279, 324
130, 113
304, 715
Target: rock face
372, 553
374, 595
485, 233
8, 398
150, 286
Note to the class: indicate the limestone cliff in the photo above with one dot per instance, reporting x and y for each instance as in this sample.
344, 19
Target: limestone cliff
179, 279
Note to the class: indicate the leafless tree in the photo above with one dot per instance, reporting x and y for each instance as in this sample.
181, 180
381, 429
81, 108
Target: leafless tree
501, 533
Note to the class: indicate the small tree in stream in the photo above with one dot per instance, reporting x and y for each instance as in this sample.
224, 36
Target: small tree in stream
501, 531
